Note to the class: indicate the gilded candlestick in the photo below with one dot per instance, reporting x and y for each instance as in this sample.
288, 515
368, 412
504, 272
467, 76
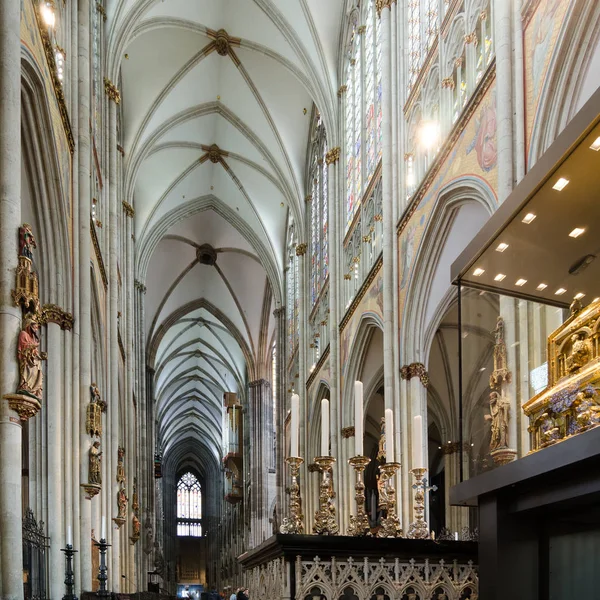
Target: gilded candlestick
295, 522
325, 518
390, 524
419, 529
359, 524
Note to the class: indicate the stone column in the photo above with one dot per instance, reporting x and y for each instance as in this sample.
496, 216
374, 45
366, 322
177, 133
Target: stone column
279, 314
332, 160
301, 382
11, 560
504, 97
85, 318
56, 457
113, 218
261, 421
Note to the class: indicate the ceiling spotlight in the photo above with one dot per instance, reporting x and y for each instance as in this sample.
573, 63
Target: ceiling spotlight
501, 247
521, 282
579, 296
576, 232
478, 272
499, 277
528, 218
596, 145
541, 287
560, 291
561, 184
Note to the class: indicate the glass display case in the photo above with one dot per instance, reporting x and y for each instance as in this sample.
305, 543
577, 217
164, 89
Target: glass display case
528, 297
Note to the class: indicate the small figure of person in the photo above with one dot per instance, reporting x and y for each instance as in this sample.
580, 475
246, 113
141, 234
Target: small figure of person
95, 474
26, 241
31, 378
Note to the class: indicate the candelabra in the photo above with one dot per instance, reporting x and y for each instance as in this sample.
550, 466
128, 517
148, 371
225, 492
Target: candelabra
69, 577
390, 524
359, 524
419, 530
325, 519
102, 571
295, 522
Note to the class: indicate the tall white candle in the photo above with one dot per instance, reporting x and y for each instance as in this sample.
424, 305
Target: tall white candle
324, 427
417, 443
358, 418
294, 425
69, 536
389, 436
103, 536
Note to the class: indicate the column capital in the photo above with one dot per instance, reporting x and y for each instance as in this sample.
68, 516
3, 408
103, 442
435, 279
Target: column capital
52, 313
101, 10
301, 249
112, 91
308, 199
279, 312
25, 406
257, 383
332, 155
348, 432
343, 89
415, 370
128, 209
139, 286
381, 4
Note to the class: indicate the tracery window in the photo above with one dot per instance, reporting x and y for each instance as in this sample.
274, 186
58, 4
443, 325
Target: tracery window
189, 506
363, 115
293, 292
423, 25
319, 223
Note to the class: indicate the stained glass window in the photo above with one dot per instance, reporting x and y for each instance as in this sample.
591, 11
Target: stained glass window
363, 113
189, 506
319, 264
423, 24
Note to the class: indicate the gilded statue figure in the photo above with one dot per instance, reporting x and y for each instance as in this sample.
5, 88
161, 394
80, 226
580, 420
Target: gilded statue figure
136, 527
499, 414
26, 241
122, 503
381, 450
120, 465
31, 378
579, 354
95, 474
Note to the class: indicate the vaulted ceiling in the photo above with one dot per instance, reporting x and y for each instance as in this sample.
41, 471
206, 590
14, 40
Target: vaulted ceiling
216, 105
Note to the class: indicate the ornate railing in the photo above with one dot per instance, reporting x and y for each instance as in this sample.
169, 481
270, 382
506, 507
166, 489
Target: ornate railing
34, 558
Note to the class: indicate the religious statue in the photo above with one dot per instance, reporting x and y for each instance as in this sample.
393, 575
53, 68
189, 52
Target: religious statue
550, 432
587, 409
500, 373
383, 494
135, 524
95, 474
26, 241
135, 505
575, 307
120, 465
93, 421
381, 450
579, 354
31, 378
499, 414
122, 500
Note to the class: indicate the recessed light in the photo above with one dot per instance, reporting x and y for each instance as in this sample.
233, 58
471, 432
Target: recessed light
482, 369
528, 218
542, 287
501, 247
579, 296
499, 277
561, 184
560, 291
596, 145
521, 282
478, 272
576, 232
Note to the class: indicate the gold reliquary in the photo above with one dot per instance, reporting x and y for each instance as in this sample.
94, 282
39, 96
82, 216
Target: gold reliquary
571, 402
